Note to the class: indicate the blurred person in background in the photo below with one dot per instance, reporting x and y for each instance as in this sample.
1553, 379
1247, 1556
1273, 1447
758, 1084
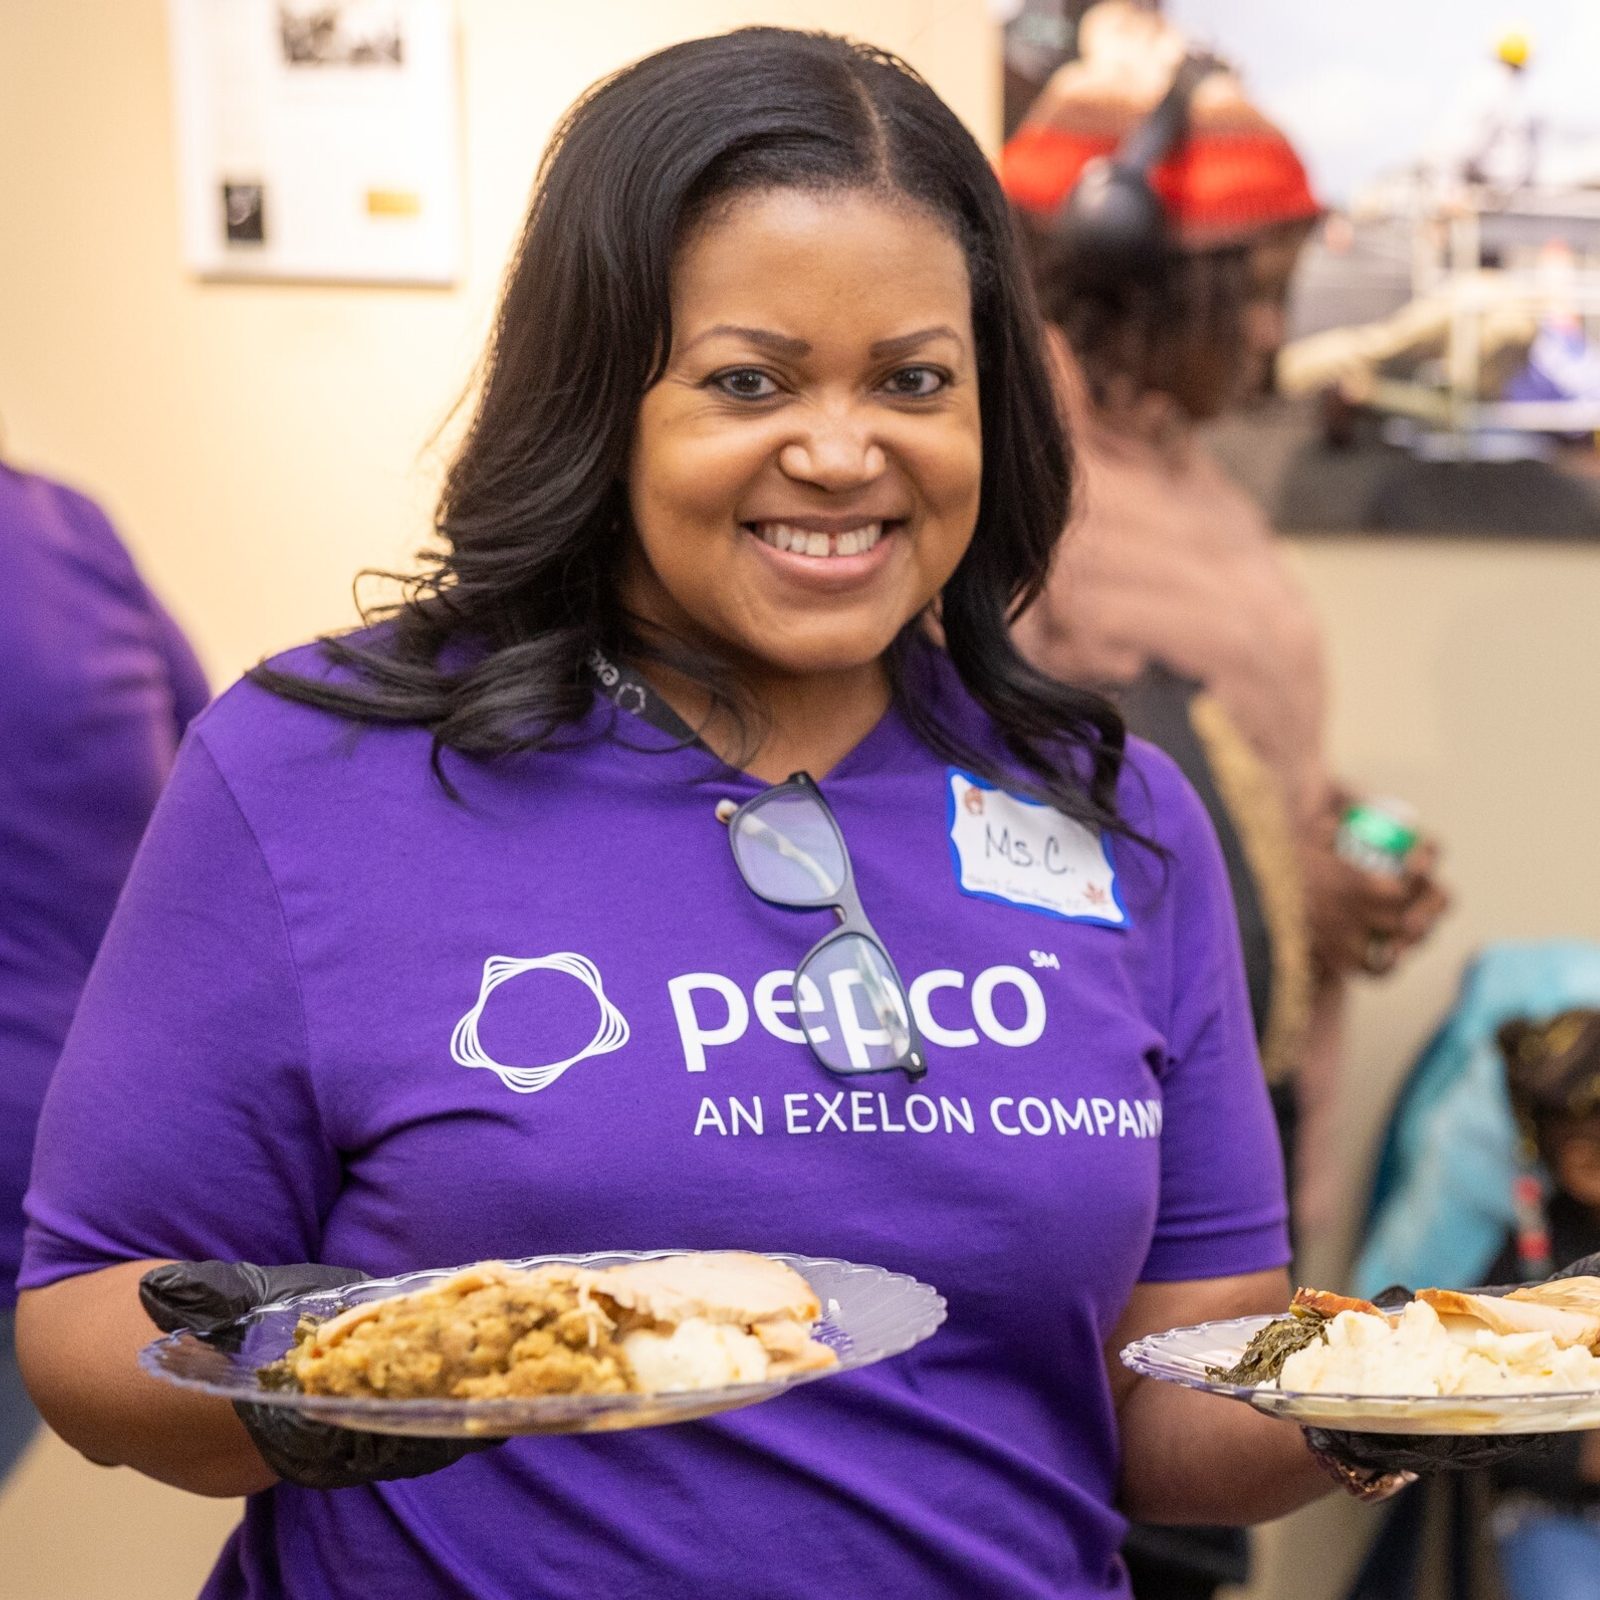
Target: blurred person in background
1164, 215
1546, 1523
1170, 589
96, 687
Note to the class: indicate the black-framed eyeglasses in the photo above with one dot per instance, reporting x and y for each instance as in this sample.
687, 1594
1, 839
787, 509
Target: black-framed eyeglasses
849, 1001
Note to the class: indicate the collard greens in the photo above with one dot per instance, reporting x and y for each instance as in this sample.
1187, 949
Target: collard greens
1265, 1355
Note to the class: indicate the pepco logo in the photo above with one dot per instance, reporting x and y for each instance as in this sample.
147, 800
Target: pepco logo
1003, 1004
963, 1015
610, 1034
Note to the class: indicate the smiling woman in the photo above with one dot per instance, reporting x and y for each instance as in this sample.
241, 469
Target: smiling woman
814, 321
766, 457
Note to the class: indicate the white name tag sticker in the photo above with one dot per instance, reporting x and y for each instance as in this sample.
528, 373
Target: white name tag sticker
1026, 854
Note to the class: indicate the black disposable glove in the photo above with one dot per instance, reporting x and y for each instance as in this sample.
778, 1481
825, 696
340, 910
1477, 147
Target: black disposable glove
1429, 1452
1424, 1452
1583, 1267
206, 1296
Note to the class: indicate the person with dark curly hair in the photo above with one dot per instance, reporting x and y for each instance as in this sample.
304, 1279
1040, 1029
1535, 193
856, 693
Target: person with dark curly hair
1170, 592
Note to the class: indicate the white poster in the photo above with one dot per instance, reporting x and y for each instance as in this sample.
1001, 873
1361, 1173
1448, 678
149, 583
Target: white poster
317, 139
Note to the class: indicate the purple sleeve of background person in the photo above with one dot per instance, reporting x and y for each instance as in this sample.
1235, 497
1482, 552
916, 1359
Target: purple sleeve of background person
96, 686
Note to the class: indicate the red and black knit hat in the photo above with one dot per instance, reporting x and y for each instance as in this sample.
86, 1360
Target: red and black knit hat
1234, 175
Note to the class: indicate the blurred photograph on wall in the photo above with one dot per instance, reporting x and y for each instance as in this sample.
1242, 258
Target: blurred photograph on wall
348, 33
346, 113
1440, 366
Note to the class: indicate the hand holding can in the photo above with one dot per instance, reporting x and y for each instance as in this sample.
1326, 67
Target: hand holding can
1377, 895
1378, 835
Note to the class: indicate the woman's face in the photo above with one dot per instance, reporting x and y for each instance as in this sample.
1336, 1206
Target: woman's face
804, 477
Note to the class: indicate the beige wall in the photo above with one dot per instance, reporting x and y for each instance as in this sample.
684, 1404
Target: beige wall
1466, 679
258, 445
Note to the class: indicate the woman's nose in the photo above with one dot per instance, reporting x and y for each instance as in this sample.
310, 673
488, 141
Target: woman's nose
835, 451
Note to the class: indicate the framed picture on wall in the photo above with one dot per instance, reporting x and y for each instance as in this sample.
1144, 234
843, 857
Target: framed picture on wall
318, 140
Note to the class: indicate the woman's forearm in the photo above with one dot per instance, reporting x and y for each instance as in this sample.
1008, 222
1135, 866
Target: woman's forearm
1192, 1457
78, 1341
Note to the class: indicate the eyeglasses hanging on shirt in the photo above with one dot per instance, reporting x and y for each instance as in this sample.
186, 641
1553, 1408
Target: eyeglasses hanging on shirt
851, 1006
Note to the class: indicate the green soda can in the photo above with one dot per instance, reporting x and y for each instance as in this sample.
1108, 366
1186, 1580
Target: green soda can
1378, 835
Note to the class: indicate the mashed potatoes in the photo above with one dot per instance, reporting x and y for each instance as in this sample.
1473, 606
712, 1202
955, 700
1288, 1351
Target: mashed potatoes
1418, 1353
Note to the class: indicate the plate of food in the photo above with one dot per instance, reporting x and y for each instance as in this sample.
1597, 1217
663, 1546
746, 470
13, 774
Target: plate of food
1449, 1361
557, 1344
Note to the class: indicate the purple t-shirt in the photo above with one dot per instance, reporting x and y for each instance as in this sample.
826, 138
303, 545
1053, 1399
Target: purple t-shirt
330, 1019
96, 685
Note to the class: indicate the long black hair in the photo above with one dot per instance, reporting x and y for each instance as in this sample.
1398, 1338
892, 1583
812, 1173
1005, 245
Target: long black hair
489, 647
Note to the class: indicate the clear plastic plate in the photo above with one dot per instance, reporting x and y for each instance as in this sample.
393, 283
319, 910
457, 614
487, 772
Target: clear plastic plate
868, 1314
1182, 1355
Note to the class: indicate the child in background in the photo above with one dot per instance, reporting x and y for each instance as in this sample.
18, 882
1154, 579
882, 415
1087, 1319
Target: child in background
1547, 1521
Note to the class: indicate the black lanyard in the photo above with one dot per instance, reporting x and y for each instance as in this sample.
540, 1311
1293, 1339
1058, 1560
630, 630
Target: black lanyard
627, 691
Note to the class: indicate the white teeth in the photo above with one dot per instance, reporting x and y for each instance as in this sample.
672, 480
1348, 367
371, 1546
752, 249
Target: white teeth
851, 542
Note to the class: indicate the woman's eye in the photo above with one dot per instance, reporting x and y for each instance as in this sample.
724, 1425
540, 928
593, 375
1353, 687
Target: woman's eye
916, 383
745, 383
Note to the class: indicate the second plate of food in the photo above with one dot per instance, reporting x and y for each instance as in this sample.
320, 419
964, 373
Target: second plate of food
557, 1344
1450, 1362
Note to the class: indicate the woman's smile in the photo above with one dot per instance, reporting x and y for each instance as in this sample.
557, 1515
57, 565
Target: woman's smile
803, 537
827, 553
